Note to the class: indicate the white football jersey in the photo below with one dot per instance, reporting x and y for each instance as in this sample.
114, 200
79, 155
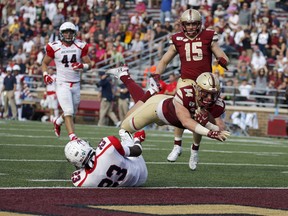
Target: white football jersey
64, 56
111, 168
19, 79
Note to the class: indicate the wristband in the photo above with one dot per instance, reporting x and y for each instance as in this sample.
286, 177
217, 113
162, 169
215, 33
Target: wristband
45, 73
85, 66
211, 126
199, 129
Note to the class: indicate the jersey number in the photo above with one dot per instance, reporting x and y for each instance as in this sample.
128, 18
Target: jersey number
65, 60
195, 50
113, 170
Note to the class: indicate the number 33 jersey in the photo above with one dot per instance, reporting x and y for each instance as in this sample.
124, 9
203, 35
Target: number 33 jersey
110, 167
64, 56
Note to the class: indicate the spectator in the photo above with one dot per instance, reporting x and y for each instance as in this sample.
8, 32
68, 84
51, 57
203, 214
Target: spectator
107, 97
243, 58
58, 19
258, 61
216, 67
263, 40
172, 84
245, 89
279, 48
261, 85
136, 48
140, 7
18, 91
245, 17
165, 10
8, 89
246, 42
233, 20
50, 9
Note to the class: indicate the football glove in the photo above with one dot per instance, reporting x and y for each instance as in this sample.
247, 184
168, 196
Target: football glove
47, 78
79, 66
223, 62
201, 116
140, 135
218, 135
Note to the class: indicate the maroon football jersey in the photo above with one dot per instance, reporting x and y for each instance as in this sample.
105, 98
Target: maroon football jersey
187, 97
195, 55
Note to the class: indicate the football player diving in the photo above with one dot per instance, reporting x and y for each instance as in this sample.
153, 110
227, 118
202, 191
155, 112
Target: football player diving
192, 108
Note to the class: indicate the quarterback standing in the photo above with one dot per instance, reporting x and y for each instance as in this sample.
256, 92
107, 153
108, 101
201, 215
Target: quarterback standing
195, 47
113, 163
70, 56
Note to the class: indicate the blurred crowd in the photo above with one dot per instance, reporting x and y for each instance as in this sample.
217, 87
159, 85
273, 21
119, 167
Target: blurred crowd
252, 32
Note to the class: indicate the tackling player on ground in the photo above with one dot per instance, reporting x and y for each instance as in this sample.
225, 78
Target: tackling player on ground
71, 57
113, 163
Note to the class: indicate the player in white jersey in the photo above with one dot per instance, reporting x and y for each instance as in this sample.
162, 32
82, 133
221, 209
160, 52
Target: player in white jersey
70, 56
19, 90
51, 97
113, 163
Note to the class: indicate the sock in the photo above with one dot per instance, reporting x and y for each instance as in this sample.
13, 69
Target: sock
72, 136
178, 141
134, 89
195, 147
59, 120
146, 96
56, 112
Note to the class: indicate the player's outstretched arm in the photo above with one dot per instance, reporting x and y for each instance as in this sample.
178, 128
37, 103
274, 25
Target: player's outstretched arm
184, 116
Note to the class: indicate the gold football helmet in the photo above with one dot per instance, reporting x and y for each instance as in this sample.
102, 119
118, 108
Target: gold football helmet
191, 22
208, 89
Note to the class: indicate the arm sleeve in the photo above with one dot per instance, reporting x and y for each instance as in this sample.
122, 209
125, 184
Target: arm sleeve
84, 51
49, 51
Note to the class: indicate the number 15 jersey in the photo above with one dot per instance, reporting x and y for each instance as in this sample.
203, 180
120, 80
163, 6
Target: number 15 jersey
111, 168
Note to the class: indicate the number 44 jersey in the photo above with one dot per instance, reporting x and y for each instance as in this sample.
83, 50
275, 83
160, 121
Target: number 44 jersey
110, 168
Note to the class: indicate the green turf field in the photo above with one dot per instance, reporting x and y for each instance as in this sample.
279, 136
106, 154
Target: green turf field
31, 156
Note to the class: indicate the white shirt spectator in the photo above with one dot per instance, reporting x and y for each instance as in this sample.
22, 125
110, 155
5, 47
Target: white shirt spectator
51, 10
245, 89
27, 46
258, 60
136, 20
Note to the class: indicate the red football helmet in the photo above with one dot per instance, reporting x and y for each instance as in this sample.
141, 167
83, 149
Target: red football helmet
191, 22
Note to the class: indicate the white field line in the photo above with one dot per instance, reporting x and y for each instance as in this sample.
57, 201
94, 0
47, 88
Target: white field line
49, 180
229, 142
156, 163
144, 188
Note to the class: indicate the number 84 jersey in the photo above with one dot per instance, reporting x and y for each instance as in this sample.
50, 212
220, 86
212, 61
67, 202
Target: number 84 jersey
110, 168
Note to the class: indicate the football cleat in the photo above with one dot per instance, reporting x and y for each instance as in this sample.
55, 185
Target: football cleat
175, 153
126, 137
118, 72
57, 128
153, 87
194, 158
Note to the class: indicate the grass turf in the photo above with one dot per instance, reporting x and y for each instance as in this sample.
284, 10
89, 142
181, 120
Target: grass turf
31, 156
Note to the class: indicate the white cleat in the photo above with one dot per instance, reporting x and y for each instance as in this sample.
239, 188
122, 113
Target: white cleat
126, 137
118, 72
194, 158
175, 153
153, 87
